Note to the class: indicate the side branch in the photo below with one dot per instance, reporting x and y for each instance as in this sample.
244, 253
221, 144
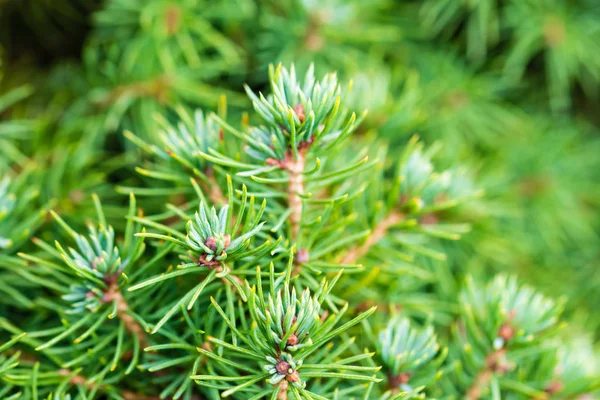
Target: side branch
376, 235
114, 294
495, 363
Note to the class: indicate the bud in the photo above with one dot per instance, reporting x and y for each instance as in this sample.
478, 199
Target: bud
300, 113
293, 377
506, 332
211, 243
302, 256
395, 381
554, 387
283, 367
293, 340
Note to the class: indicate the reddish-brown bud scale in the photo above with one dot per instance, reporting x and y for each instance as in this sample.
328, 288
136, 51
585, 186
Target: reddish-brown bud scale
293, 340
293, 377
401, 379
211, 243
554, 387
506, 332
302, 256
283, 367
300, 113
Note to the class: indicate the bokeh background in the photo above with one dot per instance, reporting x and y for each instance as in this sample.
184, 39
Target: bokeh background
509, 88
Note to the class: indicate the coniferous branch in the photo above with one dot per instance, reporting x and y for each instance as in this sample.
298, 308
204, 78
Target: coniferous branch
214, 242
284, 333
101, 262
297, 116
501, 322
353, 217
407, 354
184, 143
416, 197
301, 121
92, 281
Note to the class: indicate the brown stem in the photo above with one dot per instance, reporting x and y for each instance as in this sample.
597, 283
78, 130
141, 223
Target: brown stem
295, 166
283, 389
495, 363
380, 230
114, 294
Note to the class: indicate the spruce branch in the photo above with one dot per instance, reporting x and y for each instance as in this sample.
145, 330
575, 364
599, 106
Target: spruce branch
407, 351
301, 119
415, 202
264, 244
379, 232
505, 318
212, 246
92, 282
177, 153
102, 264
495, 364
285, 332
113, 294
300, 114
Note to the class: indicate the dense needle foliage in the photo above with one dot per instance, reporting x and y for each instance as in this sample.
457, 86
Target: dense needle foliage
299, 199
